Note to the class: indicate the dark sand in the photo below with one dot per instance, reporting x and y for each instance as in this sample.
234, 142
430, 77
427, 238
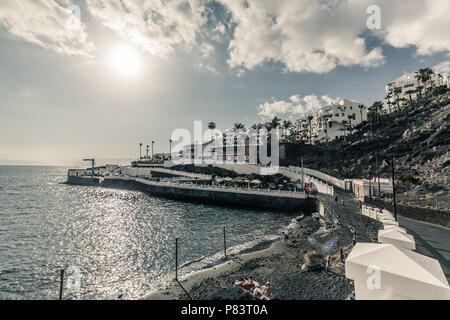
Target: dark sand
280, 263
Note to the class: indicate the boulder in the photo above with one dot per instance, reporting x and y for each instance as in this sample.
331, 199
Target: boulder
313, 261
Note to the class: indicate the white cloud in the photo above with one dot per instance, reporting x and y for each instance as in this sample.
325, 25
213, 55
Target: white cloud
317, 36
421, 23
443, 68
295, 106
157, 26
45, 23
305, 36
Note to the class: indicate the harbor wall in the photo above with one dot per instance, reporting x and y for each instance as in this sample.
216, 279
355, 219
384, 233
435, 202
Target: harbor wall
227, 197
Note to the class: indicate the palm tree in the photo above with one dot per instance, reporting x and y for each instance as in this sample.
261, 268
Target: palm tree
388, 97
350, 117
239, 126
423, 76
376, 107
310, 129
153, 143
361, 108
409, 93
286, 125
403, 100
344, 123
274, 124
212, 126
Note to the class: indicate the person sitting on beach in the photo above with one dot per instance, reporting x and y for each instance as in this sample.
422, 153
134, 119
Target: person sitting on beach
267, 291
285, 237
258, 293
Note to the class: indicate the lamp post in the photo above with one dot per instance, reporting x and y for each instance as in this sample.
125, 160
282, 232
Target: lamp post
147, 150
393, 188
140, 151
378, 174
303, 182
170, 149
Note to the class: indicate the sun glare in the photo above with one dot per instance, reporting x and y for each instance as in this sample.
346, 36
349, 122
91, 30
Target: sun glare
125, 61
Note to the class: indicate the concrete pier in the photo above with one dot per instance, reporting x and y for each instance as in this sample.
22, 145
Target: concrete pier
272, 200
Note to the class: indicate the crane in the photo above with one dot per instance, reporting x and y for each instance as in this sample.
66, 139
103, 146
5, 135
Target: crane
93, 164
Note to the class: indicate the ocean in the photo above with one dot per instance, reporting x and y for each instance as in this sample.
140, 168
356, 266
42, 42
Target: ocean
112, 243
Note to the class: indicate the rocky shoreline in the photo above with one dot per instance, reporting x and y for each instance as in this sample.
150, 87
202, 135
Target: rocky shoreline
282, 264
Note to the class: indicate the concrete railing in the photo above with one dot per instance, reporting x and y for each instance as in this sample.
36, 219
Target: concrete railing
319, 175
321, 187
391, 269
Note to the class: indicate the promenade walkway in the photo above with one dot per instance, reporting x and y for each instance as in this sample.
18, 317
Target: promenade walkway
431, 240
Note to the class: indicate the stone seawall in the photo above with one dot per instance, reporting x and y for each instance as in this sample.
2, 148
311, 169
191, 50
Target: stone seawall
237, 198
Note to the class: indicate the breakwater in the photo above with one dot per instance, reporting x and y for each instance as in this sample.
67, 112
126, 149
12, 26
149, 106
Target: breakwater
277, 201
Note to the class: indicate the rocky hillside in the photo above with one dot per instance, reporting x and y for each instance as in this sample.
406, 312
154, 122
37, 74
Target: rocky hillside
417, 137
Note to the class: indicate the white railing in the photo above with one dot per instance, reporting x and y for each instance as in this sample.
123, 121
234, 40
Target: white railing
321, 187
317, 174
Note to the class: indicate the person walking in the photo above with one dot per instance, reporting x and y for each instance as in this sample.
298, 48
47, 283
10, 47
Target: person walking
343, 202
335, 198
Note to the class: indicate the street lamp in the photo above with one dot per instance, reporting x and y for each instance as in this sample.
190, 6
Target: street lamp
140, 151
170, 149
393, 188
378, 174
393, 185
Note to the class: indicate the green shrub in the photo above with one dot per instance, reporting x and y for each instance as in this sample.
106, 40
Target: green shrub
408, 179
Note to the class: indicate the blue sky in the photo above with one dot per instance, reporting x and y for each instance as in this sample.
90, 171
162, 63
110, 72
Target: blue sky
66, 95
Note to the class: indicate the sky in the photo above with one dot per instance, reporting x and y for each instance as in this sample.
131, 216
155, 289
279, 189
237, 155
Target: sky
95, 78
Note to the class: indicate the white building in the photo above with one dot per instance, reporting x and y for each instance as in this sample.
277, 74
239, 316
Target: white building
402, 87
328, 123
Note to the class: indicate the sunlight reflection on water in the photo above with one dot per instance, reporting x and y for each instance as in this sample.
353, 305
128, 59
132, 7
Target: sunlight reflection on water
122, 241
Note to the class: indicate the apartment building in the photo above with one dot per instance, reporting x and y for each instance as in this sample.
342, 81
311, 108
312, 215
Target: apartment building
332, 121
407, 84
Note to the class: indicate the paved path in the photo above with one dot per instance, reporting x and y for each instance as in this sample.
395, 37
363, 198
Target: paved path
431, 240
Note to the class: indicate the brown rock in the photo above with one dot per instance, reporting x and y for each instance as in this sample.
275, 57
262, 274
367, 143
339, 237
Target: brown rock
313, 261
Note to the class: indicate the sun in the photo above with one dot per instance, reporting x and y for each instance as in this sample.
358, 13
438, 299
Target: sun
125, 61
